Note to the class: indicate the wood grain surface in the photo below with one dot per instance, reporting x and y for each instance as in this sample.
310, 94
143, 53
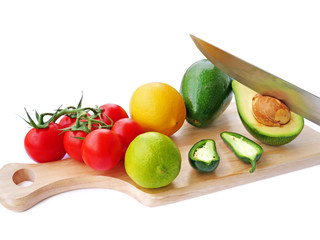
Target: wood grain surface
48, 179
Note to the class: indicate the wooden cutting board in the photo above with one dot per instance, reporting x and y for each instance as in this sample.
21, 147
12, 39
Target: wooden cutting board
48, 179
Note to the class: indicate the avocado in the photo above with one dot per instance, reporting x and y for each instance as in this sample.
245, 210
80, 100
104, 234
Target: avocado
206, 92
271, 135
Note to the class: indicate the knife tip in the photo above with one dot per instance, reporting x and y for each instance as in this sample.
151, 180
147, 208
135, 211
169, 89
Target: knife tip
194, 38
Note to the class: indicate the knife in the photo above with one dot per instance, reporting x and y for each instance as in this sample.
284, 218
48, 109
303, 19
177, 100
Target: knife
298, 100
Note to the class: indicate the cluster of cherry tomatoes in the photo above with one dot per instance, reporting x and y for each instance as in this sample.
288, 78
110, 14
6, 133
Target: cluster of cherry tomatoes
100, 147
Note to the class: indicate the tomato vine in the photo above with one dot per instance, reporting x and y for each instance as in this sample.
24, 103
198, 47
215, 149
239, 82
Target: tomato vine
85, 118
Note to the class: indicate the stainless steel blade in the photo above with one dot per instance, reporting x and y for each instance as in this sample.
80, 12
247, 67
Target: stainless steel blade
298, 100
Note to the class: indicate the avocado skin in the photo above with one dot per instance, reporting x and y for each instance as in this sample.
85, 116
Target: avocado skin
206, 92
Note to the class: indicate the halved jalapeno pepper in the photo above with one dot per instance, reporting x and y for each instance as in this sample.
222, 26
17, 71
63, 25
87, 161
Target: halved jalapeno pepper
245, 149
203, 156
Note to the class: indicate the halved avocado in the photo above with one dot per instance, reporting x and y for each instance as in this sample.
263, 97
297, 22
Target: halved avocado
269, 135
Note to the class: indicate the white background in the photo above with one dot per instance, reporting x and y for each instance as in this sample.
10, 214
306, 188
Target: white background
50, 51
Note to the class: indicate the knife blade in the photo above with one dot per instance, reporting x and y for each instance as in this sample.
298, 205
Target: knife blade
297, 99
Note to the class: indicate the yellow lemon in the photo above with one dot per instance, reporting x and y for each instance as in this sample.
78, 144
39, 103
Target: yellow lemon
158, 107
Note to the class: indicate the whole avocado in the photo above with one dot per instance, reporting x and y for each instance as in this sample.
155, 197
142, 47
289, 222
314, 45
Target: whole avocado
206, 92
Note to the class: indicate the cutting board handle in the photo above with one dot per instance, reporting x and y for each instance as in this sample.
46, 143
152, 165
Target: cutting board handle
24, 185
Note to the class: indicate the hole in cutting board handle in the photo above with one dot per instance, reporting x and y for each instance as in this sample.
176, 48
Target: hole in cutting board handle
23, 177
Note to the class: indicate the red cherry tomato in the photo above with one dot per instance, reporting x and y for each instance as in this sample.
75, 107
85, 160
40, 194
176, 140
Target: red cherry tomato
113, 111
67, 121
127, 129
73, 145
45, 144
102, 149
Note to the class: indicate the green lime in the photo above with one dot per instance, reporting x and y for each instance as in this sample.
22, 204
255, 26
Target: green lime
152, 160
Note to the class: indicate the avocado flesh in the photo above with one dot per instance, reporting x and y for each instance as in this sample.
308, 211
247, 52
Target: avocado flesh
269, 135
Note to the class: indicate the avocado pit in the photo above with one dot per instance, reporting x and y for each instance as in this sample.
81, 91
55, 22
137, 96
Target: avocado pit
270, 111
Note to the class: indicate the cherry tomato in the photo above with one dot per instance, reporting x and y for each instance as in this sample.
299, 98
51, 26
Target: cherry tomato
73, 145
45, 144
127, 129
67, 121
113, 111
102, 149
